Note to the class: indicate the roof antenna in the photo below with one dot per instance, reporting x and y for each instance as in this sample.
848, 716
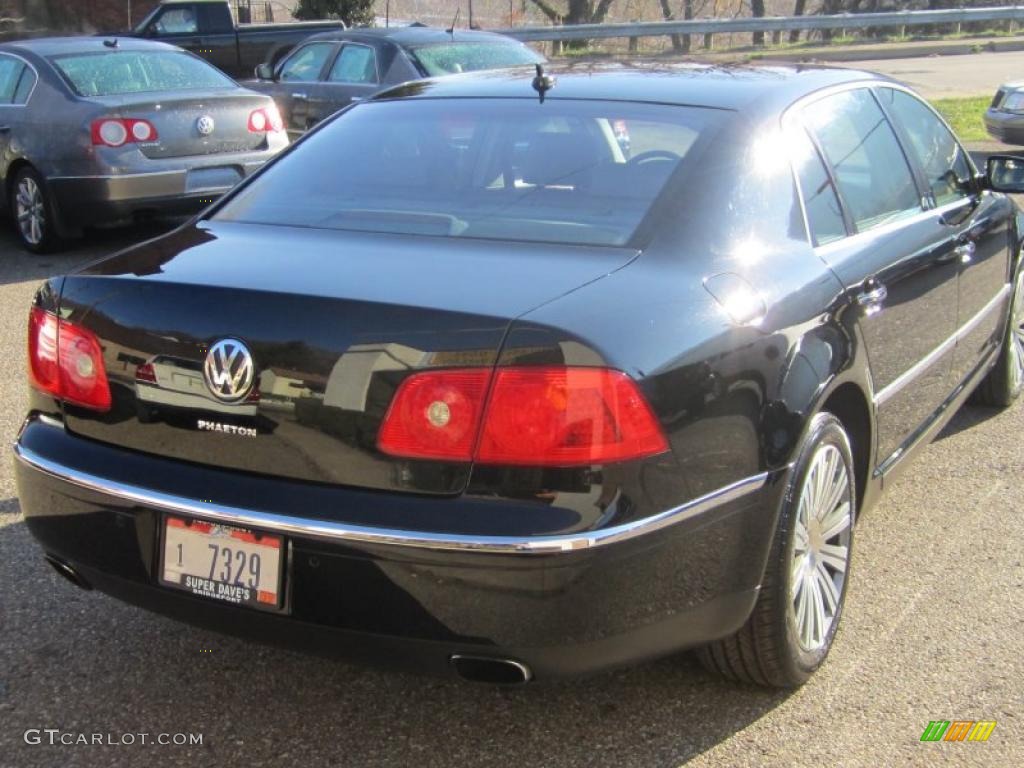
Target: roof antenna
542, 83
451, 29
110, 43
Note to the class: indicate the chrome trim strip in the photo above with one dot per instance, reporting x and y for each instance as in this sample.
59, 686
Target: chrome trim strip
335, 531
891, 390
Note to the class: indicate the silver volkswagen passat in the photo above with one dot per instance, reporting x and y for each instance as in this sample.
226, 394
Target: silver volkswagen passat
96, 131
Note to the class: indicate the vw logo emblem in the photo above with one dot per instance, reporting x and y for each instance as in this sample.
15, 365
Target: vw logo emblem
205, 125
229, 370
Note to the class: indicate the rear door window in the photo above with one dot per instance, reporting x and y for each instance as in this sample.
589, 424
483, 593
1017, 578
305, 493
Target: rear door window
26, 83
871, 171
355, 64
944, 162
821, 203
10, 74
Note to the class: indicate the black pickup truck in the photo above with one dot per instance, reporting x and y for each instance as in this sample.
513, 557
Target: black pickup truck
207, 28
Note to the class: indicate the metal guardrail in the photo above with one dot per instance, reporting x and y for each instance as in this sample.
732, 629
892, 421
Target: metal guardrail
765, 24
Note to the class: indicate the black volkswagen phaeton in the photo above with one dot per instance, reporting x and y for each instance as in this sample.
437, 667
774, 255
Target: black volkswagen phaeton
464, 382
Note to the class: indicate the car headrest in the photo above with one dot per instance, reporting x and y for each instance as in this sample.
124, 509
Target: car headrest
559, 159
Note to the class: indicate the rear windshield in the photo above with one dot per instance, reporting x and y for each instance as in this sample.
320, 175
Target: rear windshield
451, 58
507, 169
117, 72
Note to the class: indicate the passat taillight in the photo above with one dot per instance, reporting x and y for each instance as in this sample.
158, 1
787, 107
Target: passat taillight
265, 120
521, 416
66, 361
118, 131
146, 373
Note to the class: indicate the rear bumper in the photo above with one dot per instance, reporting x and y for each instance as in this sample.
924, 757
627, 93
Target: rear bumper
1005, 126
86, 200
412, 599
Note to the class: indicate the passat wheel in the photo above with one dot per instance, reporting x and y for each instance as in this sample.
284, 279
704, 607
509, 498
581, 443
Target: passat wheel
1005, 381
32, 212
791, 629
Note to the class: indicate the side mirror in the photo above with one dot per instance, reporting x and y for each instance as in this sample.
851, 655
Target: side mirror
265, 71
1005, 173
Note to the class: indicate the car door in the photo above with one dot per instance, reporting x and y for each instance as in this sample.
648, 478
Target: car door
979, 221
218, 42
297, 78
354, 75
16, 83
898, 264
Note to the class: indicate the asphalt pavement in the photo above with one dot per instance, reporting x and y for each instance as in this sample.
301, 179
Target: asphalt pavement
934, 630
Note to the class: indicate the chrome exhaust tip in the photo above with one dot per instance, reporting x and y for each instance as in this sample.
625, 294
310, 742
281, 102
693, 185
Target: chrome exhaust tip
68, 572
481, 669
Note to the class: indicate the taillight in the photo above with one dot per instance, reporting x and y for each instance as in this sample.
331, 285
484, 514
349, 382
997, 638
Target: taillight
117, 131
436, 415
265, 120
66, 361
146, 373
532, 416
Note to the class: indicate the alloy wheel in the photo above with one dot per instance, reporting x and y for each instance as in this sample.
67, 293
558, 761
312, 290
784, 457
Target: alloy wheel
1017, 336
30, 211
821, 548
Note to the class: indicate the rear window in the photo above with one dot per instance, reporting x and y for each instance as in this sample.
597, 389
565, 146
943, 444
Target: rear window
120, 72
507, 169
451, 58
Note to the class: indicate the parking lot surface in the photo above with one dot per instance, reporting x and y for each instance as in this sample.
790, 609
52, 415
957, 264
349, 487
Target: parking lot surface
933, 630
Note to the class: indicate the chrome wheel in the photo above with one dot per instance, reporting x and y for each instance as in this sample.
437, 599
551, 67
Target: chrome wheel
821, 547
30, 211
1017, 336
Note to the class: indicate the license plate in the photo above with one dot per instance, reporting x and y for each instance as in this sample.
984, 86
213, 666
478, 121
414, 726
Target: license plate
222, 562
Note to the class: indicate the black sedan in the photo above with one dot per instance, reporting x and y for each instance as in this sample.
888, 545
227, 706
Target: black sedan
331, 70
499, 401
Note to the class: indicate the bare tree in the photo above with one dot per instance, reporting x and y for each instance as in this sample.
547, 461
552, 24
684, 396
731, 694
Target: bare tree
578, 12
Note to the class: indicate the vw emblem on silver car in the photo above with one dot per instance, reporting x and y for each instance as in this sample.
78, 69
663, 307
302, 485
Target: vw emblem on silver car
229, 370
205, 125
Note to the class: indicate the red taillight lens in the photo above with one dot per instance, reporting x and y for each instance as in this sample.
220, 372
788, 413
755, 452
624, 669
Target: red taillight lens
533, 417
265, 120
116, 131
567, 417
435, 415
145, 373
66, 361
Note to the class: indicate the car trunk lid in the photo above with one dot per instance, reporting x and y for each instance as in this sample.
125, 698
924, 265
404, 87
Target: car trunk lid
193, 123
334, 322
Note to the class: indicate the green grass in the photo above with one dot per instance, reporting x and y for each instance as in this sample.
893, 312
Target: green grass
964, 115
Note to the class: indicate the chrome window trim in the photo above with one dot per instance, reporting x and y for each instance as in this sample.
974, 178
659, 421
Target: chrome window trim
891, 390
330, 530
35, 72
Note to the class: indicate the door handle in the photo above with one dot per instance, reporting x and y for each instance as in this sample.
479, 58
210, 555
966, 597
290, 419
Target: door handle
965, 251
872, 297
5, 129
299, 96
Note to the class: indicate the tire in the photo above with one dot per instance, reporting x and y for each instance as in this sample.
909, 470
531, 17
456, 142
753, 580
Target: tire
782, 643
32, 212
1005, 381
